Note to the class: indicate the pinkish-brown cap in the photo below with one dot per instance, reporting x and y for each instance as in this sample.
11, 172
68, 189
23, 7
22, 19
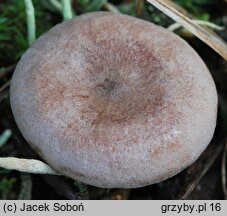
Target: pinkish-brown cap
114, 101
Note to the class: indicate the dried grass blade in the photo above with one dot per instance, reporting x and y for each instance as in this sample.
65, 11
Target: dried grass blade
179, 15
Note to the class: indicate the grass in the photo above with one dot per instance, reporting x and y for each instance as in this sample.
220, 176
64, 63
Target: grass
13, 31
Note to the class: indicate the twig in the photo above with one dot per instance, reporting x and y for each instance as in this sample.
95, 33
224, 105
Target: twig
67, 9
138, 7
5, 86
176, 26
223, 172
26, 165
200, 168
204, 34
3, 95
6, 71
62, 188
30, 21
4, 137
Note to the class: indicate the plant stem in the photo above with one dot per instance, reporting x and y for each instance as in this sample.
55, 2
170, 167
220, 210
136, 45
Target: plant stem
67, 9
110, 7
56, 4
30, 21
4, 137
26, 165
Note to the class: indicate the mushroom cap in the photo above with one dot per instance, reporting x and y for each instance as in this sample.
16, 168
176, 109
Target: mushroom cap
114, 101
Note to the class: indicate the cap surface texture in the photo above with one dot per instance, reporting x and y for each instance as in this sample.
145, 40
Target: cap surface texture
114, 101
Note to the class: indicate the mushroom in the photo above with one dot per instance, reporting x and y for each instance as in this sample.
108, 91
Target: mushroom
114, 101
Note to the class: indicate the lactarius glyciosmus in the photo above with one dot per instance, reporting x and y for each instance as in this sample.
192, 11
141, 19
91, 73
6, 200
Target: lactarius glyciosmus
114, 101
